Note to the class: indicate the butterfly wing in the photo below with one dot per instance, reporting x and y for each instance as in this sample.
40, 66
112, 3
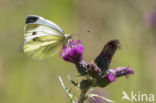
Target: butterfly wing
42, 37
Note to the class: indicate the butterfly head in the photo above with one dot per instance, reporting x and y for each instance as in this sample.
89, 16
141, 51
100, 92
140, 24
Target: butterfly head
69, 37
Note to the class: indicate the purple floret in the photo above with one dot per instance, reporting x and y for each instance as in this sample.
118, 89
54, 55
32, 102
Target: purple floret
111, 77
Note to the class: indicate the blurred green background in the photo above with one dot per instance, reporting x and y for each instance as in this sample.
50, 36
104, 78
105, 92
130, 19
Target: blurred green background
23, 80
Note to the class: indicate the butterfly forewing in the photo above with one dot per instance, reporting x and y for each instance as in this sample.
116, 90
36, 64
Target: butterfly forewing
42, 37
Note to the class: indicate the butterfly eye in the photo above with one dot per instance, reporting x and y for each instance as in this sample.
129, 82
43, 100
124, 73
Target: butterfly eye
34, 33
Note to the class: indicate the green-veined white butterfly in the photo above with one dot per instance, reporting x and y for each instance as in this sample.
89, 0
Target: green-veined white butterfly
43, 38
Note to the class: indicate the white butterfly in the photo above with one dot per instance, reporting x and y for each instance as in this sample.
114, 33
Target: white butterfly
43, 38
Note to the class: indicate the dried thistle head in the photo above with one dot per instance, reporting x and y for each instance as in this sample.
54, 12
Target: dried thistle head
103, 60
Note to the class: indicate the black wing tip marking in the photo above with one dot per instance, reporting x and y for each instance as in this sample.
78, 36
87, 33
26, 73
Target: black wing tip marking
31, 19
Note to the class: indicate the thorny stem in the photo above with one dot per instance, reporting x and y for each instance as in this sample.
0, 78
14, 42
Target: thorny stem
82, 97
85, 85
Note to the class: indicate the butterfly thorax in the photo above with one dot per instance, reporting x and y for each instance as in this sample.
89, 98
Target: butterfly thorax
68, 37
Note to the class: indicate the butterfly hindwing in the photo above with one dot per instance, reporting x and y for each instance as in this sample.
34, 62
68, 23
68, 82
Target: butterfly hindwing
41, 47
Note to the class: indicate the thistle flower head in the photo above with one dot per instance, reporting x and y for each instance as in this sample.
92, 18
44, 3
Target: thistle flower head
72, 52
120, 71
117, 72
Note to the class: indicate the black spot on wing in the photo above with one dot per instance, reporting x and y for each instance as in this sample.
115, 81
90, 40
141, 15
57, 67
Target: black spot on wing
31, 19
34, 33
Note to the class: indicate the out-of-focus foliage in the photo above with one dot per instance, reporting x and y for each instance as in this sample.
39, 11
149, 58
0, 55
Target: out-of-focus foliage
23, 80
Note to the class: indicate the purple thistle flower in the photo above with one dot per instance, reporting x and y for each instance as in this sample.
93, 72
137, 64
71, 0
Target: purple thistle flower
117, 72
72, 52
120, 71
97, 73
112, 74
